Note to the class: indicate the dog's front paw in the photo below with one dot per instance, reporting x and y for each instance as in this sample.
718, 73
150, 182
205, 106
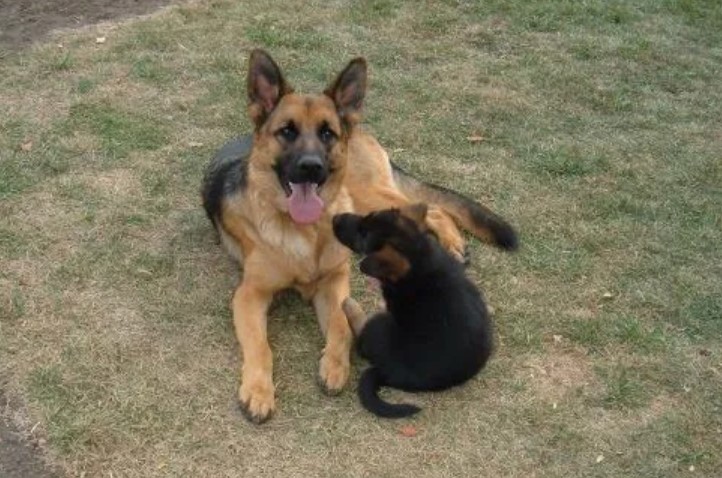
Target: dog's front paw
333, 374
256, 398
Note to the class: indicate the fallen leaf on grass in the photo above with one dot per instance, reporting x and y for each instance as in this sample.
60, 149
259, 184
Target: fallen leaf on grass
26, 147
100, 40
408, 431
195, 144
600, 458
475, 138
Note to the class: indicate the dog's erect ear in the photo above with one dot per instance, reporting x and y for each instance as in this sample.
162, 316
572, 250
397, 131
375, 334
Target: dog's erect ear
417, 213
266, 86
348, 91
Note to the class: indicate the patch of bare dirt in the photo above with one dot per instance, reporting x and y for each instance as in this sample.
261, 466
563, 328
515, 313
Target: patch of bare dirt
553, 376
18, 458
23, 22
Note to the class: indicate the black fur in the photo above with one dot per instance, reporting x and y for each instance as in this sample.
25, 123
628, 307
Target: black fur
436, 332
226, 174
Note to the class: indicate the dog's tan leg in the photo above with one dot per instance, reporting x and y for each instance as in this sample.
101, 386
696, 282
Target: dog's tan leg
355, 315
446, 230
334, 366
256, 393
373, 199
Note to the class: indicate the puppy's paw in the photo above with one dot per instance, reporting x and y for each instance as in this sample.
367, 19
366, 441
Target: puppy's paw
256, 399
354, 314
352, 309
333, 374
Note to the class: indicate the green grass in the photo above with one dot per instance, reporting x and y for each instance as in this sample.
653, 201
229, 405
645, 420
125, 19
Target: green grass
602, 144
120, 132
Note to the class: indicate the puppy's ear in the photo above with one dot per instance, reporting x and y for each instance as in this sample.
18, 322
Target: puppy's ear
417, 213
266, 86
348, 91
386, 265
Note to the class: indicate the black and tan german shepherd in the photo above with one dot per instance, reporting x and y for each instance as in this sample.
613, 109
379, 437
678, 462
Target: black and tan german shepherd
272, 195
435, 332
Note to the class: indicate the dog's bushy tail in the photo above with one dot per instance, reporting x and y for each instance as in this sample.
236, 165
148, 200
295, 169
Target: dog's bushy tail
368, 392
469, 214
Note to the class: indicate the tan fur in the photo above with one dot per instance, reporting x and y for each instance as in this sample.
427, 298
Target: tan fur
277, 253
371, 184
393, 264
356, 316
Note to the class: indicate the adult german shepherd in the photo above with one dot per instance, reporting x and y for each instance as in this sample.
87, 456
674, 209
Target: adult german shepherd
272, 196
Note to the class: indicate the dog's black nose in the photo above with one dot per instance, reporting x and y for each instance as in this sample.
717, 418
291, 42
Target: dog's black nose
311, 167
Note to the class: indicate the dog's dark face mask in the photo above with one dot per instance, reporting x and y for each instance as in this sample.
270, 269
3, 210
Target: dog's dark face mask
305, 135
306, 162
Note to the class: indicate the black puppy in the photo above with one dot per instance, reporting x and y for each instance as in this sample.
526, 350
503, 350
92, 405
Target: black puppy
436, 332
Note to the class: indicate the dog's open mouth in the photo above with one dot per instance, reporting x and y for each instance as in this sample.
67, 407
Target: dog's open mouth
304, 203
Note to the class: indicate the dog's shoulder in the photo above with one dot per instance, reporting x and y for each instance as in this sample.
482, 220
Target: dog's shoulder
226, 174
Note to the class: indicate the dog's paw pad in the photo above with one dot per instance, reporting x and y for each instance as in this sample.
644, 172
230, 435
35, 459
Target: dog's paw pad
257, 404
333, 375
331, 392
251, 416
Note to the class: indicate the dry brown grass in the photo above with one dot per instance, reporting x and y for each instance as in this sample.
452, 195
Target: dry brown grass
601, 143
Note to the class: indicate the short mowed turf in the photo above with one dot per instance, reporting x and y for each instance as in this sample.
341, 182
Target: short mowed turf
595, 127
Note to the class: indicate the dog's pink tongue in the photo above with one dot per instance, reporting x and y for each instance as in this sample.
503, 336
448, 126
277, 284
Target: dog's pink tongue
304, 204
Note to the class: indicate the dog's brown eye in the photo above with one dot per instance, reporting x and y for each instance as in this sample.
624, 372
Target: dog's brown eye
325, 134
288, 133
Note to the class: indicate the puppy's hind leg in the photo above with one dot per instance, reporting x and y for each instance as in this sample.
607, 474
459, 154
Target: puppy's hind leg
356, 316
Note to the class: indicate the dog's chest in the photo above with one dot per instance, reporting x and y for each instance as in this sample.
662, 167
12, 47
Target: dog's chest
305, 254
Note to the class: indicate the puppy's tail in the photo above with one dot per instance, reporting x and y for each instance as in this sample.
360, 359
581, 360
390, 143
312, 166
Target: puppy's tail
469, 214
368, 392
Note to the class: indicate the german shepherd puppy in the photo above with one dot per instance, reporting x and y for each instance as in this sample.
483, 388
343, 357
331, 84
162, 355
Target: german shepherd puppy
436, 332
272, 195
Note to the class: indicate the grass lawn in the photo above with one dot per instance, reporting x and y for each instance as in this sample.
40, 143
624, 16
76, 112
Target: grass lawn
601, 140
